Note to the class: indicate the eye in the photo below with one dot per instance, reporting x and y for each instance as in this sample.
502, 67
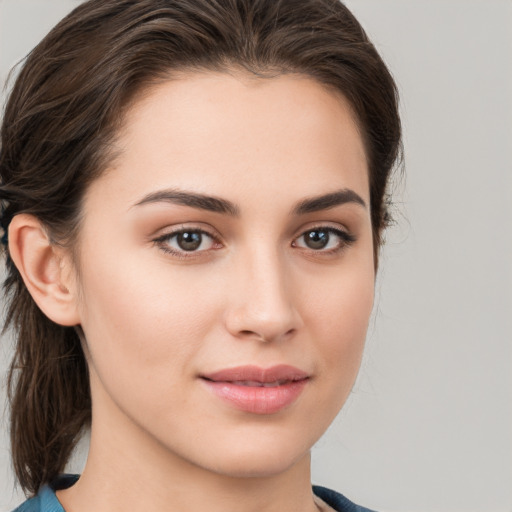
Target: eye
186, 241
324, 239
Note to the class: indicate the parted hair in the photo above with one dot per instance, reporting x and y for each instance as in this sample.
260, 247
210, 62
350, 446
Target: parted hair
63, 113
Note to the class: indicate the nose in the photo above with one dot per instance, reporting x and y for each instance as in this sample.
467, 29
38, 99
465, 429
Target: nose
262, 304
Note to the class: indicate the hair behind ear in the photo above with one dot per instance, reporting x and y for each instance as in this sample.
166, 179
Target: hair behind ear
48, 391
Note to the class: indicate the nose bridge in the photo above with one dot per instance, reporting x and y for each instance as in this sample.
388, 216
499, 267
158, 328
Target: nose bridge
262, 304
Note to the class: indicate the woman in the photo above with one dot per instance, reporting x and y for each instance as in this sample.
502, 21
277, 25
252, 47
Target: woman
194, 194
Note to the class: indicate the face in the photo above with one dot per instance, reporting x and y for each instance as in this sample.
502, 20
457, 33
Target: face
226, 272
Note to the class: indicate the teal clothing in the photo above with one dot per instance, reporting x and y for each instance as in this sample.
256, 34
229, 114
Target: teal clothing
46, 501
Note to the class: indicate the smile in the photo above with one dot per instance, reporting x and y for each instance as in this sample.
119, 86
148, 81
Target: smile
254, 383
256, 390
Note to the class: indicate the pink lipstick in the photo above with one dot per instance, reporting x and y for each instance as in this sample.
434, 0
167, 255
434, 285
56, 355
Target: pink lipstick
258, 390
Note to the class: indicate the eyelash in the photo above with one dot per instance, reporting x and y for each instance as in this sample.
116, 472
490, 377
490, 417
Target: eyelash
345, 240
163, 242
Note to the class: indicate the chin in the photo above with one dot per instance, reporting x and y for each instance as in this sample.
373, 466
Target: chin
258, 458
262, 466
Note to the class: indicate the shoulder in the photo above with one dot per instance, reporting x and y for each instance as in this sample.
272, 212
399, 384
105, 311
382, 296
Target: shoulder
46, 500
337, 501
34, 504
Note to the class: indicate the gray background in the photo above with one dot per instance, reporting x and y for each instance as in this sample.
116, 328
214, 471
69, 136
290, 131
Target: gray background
429, 424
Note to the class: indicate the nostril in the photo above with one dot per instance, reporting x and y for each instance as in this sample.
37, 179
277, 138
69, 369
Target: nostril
262, 337
252, 334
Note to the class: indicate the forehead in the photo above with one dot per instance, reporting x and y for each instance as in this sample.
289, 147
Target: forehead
210, 130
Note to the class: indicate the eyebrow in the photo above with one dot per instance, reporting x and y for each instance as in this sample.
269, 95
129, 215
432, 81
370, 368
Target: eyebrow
223, 206
327, 201
192, 199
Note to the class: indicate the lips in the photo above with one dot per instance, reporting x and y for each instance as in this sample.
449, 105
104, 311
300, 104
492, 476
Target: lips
254, 383
257, 390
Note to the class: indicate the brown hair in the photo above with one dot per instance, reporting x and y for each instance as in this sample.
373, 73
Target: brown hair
64, 111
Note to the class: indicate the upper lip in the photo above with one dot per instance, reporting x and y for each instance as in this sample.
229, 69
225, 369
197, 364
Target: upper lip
282, 372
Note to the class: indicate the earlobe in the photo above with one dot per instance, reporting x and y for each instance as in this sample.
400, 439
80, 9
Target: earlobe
45, 269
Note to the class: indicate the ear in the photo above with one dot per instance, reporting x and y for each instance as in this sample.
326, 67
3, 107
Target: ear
45, 268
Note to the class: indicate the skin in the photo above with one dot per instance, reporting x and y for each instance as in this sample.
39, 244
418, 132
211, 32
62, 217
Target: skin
253, 293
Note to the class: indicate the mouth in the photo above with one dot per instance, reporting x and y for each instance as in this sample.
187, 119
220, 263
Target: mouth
256, 390
256, 384
254, 375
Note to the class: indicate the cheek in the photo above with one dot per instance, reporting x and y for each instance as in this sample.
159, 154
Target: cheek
339, 313
136, 320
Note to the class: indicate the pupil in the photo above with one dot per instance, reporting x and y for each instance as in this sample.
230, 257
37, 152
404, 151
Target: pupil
189, 241
317, 239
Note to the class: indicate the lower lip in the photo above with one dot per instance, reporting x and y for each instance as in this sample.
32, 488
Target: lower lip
255, 399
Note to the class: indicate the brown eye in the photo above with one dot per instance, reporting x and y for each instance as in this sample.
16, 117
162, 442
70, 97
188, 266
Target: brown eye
189, 240
324, 239
317, 239
186, 241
